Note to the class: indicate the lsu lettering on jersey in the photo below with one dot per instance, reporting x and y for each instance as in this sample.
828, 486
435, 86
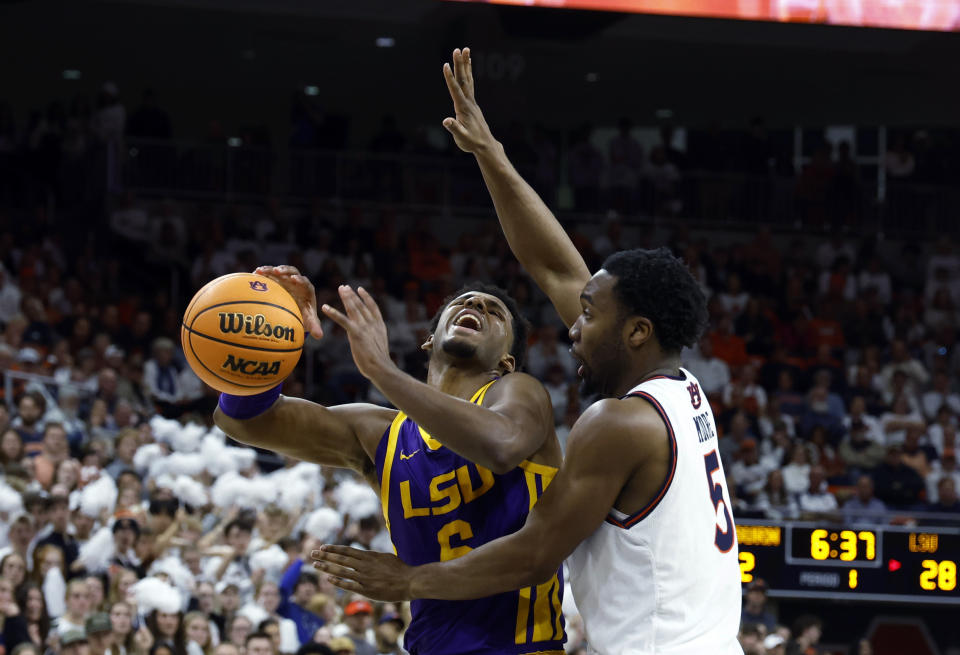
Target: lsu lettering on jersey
439, 506
666, 580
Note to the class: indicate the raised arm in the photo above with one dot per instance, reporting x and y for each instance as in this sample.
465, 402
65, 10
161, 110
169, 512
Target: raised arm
535, 236
344, 436
607, 446
514, 423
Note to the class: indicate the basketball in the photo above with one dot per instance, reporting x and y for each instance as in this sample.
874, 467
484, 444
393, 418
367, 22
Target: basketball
242, 334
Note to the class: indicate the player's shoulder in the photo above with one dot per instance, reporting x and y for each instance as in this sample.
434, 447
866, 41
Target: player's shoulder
624, 422
520, 386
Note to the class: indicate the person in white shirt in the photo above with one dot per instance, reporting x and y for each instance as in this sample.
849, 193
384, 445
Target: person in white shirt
775, 501
828, 252
10, 296
754, 396
858, 414
734, 299
896, 422
796, 474
946, 466
816, 499
749, 471
940, 395
942, 435
78, 606
901, 360
874, 277
712, 372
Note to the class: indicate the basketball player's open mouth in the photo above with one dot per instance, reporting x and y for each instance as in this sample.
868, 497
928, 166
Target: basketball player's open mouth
580, 363
468, 320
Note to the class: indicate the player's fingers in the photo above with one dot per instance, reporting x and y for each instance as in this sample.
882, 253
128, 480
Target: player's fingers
346, 585
452, 85
468, 74
345, 551
370, 304
336, 316
286, 269
337, 570
332, 559
305, 281
457, 59
356, 310
313, 327
456, 128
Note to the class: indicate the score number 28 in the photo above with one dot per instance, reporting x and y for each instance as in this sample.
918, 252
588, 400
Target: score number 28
938, 575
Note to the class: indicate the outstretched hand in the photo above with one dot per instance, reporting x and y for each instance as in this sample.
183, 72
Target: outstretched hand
469, 129
365, 329
379, 576
303, 293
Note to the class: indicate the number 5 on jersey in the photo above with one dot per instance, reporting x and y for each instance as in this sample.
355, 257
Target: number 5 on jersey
724, 535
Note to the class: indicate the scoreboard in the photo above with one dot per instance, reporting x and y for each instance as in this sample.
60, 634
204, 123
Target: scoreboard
868, 563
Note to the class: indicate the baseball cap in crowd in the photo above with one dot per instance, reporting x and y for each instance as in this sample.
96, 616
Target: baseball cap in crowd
223, 585
395, 618
126, 523
759, 584
71, 637
358, 607
99, 622
772, 641
113, 351
342, 644
28, 355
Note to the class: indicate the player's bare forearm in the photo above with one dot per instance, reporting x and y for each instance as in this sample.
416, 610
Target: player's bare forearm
535, 236
309, 432
603, 455
497, 440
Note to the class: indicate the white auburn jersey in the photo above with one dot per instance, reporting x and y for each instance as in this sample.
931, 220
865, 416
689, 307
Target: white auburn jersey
666, 580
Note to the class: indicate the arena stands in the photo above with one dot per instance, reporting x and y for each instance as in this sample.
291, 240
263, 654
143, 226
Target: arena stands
831, 362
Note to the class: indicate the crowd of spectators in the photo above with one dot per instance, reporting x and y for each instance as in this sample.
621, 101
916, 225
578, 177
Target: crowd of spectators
132, 525
74, 149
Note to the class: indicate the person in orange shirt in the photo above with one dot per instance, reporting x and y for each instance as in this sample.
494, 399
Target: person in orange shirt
727, 345
54, 450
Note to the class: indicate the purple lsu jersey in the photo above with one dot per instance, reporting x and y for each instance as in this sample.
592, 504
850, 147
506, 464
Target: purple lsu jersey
440, 506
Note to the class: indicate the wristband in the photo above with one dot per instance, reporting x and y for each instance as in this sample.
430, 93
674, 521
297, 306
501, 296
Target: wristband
244, 407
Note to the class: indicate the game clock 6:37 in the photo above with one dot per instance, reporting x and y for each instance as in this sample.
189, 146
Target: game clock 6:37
838, 546
882, 563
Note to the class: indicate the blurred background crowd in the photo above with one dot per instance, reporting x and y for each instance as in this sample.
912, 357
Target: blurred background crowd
129, 524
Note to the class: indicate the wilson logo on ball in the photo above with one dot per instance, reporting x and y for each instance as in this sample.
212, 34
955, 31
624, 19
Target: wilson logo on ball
250, 366
237, 322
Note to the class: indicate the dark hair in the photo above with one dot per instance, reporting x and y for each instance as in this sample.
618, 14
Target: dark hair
307, 577
805, 621
129, 472
267, 622
239, 524
521, 326
258, 635
313, 648
753, 629
168, 506
53, 425
178, 645
37, 399
656, 285
22, 593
